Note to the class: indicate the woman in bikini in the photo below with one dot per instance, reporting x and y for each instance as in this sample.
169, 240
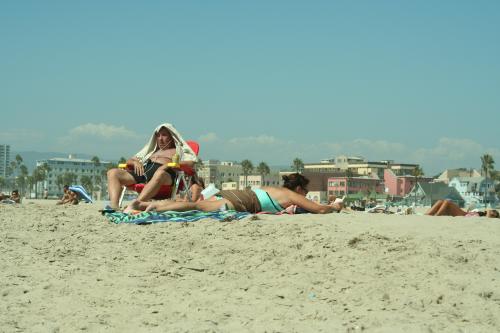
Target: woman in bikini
448, 208
265, 199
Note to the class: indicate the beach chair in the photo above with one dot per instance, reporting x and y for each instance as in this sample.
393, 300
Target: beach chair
181, 186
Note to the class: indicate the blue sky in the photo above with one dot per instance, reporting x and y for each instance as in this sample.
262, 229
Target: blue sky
413, 81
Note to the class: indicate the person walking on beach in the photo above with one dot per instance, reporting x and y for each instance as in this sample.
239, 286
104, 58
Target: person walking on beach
265, 199
448, 208
149, 165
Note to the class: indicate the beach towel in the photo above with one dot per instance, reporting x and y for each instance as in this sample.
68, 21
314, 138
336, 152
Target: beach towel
81, 191
189, 216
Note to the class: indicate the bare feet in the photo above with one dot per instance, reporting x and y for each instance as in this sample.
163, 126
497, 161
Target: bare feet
133, 206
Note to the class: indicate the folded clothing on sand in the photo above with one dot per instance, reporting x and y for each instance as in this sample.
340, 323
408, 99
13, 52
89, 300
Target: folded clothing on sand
189, 216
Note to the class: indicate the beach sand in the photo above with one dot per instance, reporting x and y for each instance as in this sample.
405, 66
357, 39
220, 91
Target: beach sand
66, 269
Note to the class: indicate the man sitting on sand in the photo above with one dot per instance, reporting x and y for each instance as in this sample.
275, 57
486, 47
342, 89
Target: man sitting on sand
149, 165
69, 197
448, 208
265, 199
13, 198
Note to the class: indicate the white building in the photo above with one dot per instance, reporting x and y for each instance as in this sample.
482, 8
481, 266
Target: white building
59, 167
475, 190
4, 160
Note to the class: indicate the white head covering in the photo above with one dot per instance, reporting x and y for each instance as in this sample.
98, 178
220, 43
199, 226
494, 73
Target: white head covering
183, 149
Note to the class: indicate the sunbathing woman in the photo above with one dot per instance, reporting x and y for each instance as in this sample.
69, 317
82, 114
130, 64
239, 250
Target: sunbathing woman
448, 208
265, 199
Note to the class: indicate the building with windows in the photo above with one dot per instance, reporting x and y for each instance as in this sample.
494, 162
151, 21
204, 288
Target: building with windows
4, 160
273, 179
400, 185
475, 190
218, 172
60, 168
358, 166
364, 186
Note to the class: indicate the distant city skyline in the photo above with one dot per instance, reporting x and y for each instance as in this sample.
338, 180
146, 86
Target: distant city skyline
266, 81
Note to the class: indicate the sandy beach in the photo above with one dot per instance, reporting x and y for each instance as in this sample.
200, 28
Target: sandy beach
67, 269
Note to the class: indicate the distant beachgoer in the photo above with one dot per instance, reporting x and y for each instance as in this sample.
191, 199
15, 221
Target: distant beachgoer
69, 197
150, 165
448, 208
13, 198
265, 199
45, 194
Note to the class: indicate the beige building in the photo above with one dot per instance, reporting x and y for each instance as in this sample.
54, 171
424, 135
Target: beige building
273, 179
359, 166
229, 186
447, 175
219, 172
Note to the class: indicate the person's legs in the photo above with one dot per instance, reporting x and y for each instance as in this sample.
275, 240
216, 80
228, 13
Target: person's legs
117, 178
161, 177
181, 206
435, 208
448, 208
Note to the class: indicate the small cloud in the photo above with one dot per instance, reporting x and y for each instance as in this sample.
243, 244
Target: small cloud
103, 131
209, 137
254, 140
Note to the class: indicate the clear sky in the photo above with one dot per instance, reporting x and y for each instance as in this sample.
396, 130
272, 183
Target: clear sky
413, 81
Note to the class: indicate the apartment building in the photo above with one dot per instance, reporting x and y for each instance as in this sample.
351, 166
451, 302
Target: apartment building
79, 167
4, 159
273, 179
219, 172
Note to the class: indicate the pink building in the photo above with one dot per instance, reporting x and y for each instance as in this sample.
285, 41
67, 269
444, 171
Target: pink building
400, 186
353, 185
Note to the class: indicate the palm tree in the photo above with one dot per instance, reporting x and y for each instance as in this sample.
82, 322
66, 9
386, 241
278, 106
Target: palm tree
40, 174
96, 161
487, 167
263, 170
247, 167
122, 160
22, 179
69, 178
97, 178
86, 182
298, 165
487, 164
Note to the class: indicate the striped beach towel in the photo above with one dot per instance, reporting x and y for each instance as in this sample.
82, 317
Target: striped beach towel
189, 216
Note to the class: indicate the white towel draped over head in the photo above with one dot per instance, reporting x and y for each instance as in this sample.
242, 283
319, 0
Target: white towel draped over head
185, 152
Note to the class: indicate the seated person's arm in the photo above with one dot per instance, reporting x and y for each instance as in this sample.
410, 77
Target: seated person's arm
137, 165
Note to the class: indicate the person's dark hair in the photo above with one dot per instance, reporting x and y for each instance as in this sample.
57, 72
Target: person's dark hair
495, 213
15, 191
293, 180
66, 187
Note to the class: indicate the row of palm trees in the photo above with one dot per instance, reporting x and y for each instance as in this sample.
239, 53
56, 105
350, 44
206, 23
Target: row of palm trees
23, 180
18, 177
263, 169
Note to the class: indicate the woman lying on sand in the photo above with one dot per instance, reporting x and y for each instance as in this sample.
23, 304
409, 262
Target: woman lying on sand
265, 199
448, 208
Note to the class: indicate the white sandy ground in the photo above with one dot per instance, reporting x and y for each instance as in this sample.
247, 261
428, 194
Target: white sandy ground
66, 269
